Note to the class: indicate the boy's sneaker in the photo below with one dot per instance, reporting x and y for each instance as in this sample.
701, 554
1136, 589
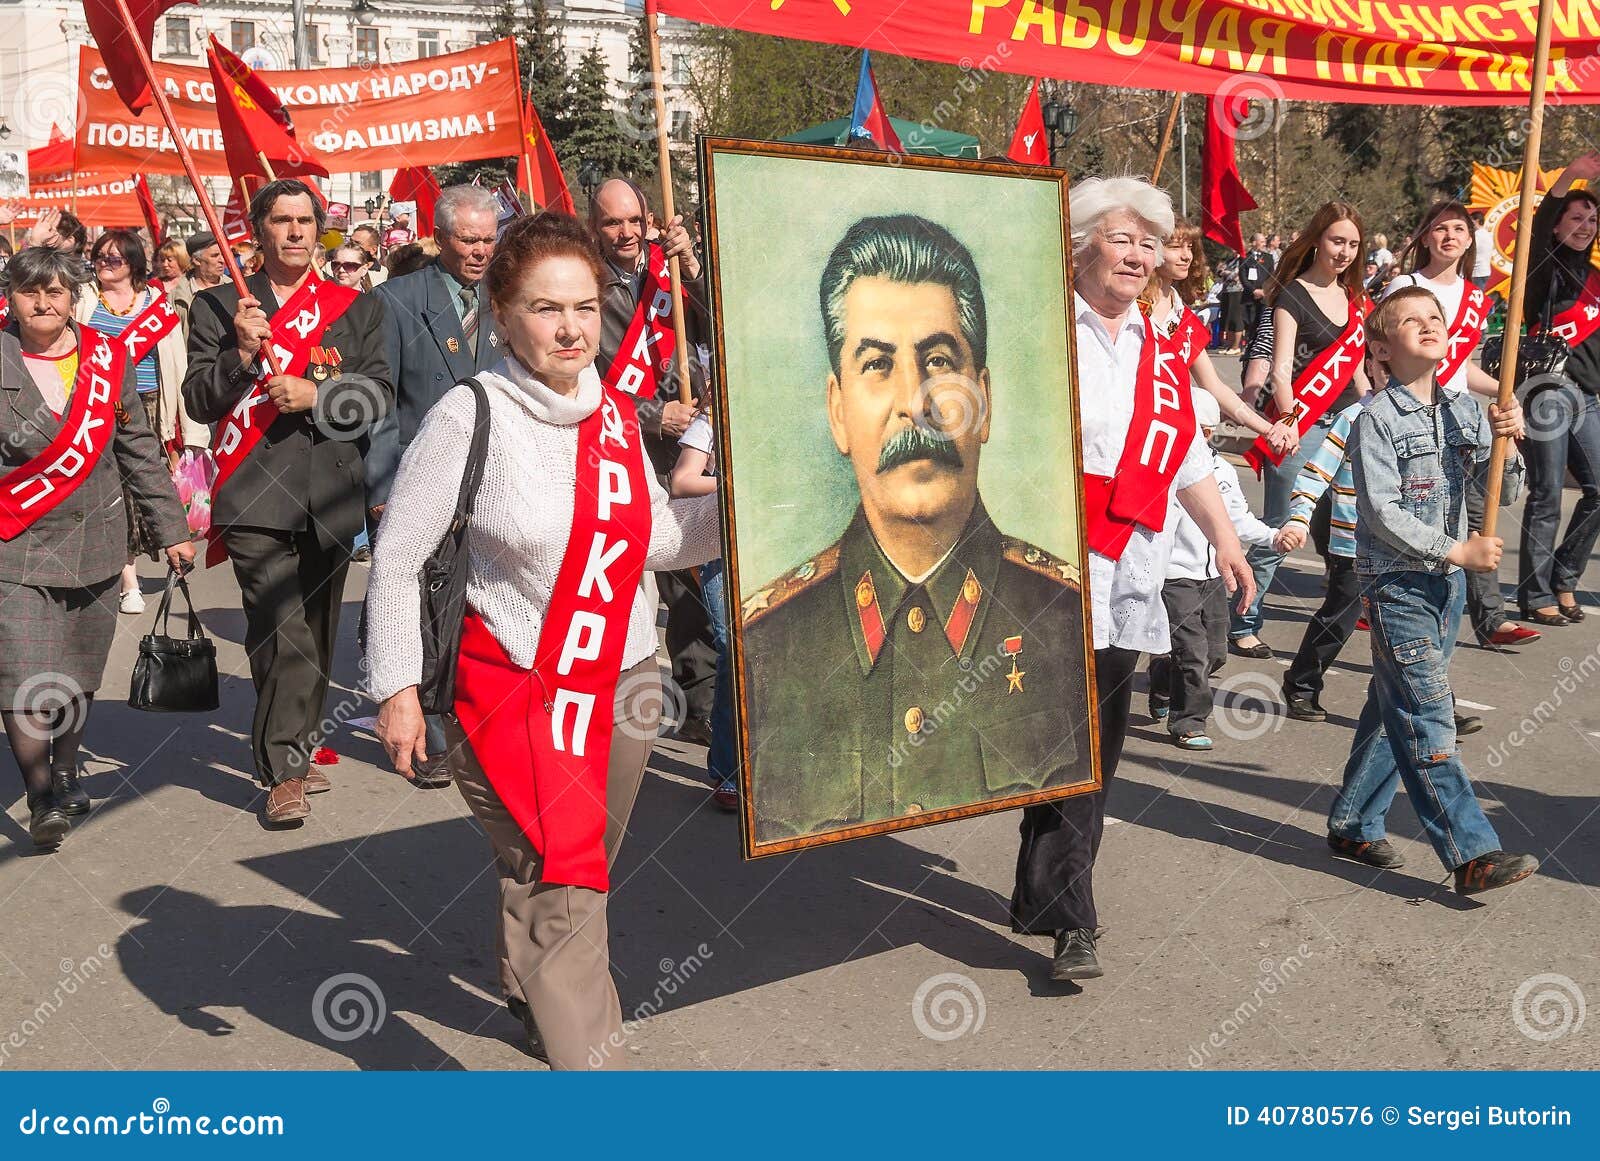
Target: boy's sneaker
1197, 741
1159, 708
1468, 724
1495, 869
1379, 853
726, 795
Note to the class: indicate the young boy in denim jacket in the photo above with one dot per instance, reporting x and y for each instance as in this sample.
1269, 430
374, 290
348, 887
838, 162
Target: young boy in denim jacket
1412, 453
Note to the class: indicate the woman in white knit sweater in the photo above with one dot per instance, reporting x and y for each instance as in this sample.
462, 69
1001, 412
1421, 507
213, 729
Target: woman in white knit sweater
559, 626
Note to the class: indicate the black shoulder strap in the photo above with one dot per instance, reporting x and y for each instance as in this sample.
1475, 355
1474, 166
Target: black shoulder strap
477, 454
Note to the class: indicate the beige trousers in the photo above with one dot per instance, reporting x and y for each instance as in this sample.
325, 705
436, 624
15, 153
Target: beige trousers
553, 938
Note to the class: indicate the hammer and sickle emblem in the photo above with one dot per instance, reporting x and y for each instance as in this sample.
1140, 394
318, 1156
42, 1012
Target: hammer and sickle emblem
611, 429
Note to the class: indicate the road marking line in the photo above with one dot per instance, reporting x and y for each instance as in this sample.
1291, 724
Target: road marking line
1472, 704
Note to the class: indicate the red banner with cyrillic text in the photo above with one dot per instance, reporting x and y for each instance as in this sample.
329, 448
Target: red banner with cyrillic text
458, 107
1364, 51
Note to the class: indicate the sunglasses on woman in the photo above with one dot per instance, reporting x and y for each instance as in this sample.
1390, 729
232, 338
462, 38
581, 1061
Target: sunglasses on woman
346, 267
110, 261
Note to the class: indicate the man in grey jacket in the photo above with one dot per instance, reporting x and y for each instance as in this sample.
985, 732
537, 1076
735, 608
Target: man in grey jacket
437, 331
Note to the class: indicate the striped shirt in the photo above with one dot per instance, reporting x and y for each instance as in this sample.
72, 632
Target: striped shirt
111, 325
1330, 464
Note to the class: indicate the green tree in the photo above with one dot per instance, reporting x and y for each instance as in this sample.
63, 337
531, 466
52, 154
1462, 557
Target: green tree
595, 131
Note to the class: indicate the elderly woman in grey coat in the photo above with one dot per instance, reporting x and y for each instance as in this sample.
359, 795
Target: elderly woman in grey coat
72, 434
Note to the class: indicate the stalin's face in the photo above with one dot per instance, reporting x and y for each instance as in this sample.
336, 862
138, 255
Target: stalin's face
908, 406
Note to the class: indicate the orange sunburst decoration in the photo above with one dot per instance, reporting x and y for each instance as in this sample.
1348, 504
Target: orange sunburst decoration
1497, 193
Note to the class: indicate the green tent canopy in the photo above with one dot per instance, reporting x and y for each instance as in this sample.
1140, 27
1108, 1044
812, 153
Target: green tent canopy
916, 137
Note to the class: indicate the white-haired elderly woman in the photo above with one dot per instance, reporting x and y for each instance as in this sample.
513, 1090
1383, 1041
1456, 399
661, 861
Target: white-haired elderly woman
1141, 447
73, 441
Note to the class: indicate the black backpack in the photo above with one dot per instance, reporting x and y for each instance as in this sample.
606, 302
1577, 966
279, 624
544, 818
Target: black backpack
444, 578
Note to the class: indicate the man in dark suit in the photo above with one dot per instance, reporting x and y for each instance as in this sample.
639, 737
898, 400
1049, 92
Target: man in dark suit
436, 332
289, 510
620, 221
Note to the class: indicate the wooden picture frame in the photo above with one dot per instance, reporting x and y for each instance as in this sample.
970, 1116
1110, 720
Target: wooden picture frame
820, 760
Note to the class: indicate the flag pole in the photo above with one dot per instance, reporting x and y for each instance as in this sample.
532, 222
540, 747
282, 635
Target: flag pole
664, 163
1519, 263
266, 165
1166, 138
210, 211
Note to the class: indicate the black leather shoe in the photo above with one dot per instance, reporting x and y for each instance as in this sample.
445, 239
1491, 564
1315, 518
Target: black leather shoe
1260, 650
1572, 612
1380, 853
434, 774
72, 798
1548, 620
535, 1044
48, 824
1075, 958
1468, 724
1304, 709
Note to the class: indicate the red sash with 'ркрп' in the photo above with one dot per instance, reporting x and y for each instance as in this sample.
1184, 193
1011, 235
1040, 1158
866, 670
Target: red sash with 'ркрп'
1189, 338
152, 325
1578, 321
1158, 439
543, 736
1465, 332
297, 327
647, 349
28, 492
1321, 382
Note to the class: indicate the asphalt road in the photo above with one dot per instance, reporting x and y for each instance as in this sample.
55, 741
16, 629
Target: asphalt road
172, 930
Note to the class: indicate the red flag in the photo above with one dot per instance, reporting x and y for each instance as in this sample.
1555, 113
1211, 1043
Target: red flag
417, 184
546, 184
1222, 193
121, 48
1030, 144
147, 207
254, 123
54, 161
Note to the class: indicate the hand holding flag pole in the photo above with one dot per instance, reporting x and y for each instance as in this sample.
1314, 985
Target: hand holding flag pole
664, 163
117, 24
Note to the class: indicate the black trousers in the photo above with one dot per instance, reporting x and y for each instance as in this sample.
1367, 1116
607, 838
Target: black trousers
690, 643
1327, 631
1197, 611
1060, 840
292, 585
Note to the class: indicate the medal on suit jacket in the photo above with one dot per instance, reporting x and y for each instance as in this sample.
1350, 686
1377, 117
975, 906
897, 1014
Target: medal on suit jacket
297, 328
543, 735
35, 488
647, 347
154, 323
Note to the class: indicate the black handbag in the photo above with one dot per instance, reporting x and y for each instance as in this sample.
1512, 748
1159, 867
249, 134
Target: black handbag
444, 577
1541, 354
175, 675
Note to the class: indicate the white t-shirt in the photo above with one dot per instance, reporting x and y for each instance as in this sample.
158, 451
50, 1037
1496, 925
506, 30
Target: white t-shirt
1383, 257
701, 438
1482, 264
1450, 298
1126, 610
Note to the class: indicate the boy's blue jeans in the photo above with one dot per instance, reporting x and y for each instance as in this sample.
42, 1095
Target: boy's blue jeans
720, 758
1407, 731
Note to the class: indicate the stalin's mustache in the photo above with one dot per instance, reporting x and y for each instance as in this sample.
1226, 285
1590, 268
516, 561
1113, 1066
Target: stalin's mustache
910, 444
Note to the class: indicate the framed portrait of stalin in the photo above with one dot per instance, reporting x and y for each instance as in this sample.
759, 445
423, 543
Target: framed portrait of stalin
898, 444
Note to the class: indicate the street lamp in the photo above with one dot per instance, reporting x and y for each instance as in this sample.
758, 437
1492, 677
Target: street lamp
589, 178
1060, 118
365, 12
5, 130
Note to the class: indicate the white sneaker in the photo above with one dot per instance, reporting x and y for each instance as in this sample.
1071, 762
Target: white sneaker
131, 601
